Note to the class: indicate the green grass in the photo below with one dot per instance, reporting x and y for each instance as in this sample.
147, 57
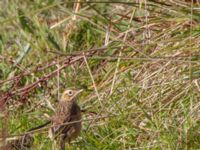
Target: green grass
147, 77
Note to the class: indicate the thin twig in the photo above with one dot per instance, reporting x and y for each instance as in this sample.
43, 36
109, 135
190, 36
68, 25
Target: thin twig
92, 78
119, 59
174, 59
64, 124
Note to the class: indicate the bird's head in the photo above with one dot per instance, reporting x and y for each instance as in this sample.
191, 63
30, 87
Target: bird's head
69, 95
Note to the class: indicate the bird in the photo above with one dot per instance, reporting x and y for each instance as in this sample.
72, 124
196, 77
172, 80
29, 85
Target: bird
66, 122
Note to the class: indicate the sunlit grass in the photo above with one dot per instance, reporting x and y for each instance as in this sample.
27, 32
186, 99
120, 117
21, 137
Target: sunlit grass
155, 99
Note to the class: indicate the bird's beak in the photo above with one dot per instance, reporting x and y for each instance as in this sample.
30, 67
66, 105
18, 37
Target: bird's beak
77, 92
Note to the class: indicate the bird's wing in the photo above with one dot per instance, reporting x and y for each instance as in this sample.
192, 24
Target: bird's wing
61, 125
59, 119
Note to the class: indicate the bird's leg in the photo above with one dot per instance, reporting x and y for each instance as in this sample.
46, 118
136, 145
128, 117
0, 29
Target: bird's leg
69, 147
68, 144
62, 143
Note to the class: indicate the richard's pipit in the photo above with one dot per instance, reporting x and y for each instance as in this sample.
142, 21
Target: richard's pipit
67, 119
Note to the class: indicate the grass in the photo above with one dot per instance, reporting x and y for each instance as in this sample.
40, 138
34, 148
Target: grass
147, 52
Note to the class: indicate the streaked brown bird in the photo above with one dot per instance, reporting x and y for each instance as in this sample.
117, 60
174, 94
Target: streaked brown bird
67, 112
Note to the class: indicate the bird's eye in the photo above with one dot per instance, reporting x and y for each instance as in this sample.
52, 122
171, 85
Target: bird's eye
70, 93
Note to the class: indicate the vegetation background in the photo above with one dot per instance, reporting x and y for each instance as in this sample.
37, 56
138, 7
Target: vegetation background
137, 61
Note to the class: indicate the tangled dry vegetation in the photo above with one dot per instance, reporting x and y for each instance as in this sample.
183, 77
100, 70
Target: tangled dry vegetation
137, 61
